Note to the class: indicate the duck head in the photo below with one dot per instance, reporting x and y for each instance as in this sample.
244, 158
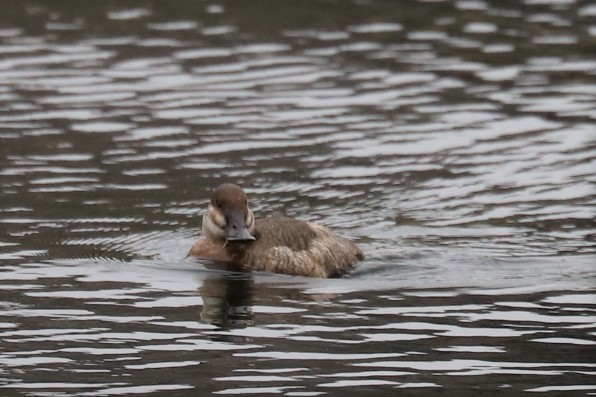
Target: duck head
228, 216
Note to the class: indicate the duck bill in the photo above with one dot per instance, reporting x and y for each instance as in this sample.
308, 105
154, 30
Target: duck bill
236, 229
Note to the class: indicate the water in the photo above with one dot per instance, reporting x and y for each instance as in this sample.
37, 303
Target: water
454, 141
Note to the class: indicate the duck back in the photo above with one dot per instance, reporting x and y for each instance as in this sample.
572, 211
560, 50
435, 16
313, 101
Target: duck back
290, 246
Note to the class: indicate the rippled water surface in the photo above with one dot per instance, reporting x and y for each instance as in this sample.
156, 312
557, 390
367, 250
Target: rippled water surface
453, 140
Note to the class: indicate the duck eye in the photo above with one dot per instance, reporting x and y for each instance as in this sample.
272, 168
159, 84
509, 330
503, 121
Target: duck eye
218, 203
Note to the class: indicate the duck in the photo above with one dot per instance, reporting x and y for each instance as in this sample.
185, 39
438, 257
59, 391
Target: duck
232, 235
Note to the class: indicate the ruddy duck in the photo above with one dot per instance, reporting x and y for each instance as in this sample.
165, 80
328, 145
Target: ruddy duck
231, 234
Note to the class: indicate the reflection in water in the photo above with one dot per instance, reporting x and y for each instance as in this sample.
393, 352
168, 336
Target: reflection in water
227, 301
454, 140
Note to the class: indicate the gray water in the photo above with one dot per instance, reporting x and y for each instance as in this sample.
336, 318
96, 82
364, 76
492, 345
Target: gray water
452, 140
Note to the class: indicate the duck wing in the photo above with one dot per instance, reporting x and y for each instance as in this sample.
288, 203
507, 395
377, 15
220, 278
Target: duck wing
290, 246
283, 232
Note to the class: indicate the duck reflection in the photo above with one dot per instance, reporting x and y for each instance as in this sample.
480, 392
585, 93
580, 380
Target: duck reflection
227, 300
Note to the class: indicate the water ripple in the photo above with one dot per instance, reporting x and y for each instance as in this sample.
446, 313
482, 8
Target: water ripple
453, 140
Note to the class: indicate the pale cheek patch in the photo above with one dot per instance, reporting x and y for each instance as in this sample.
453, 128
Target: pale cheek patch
216, 216
250, 222
213, 224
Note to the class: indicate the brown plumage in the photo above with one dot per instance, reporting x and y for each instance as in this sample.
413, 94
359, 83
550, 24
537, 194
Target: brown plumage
273, 244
